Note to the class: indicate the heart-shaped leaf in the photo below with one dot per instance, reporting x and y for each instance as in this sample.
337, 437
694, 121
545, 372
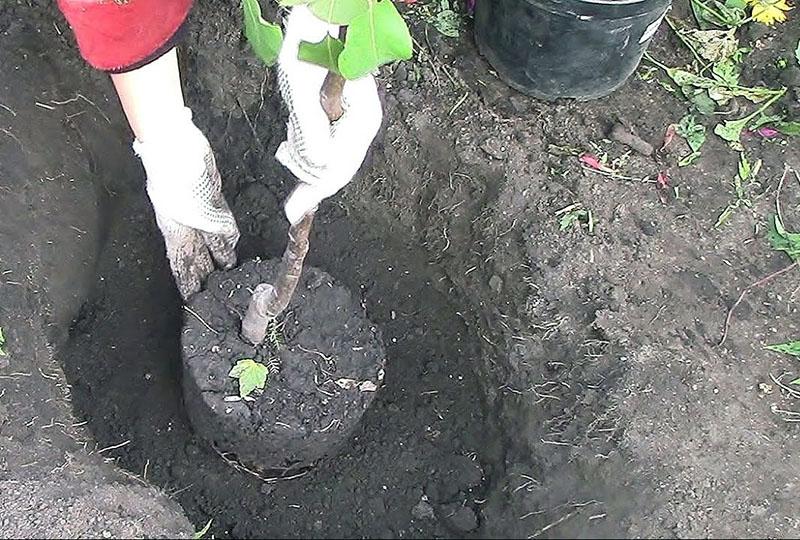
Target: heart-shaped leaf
338, 11
265, 38
790, 347
325, 53
374, 38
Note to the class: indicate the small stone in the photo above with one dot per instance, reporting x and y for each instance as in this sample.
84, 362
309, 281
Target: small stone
423, 509
496, 283
495, 148
765, 388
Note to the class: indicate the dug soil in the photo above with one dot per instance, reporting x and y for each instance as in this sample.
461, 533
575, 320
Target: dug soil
540, 380
324, 362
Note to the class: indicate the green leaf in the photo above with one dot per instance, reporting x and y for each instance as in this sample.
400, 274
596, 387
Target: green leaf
796, 381
325, 53
726, 72
2, 343
724, 216
692, 132
731, 130
744, 167
252, 375
338, 11
448, 23
703, 102
687, 78
788, 128
782, 240
204, 531
265, 38
575, 216
790, 347
765, 119
374, 38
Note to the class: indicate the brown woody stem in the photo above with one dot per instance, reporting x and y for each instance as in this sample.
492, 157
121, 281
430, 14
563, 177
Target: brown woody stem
330, 97
270, 301
267, 301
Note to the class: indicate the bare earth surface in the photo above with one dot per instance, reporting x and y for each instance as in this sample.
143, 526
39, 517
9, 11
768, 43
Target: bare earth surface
539, 382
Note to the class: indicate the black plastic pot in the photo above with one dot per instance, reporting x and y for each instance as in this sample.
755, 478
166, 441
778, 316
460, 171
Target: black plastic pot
581, 49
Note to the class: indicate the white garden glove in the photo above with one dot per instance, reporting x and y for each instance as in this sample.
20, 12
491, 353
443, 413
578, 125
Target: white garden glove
324, 156
185, 189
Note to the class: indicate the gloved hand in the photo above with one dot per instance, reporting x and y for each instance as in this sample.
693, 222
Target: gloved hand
324, 156
185, 188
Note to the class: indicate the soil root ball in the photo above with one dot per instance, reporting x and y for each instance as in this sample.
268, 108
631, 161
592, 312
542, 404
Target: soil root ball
325, 363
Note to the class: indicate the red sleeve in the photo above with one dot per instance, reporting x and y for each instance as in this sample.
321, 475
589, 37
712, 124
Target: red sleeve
116, 34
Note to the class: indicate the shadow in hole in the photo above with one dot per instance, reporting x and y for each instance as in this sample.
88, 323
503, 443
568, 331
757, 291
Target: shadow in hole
123, 363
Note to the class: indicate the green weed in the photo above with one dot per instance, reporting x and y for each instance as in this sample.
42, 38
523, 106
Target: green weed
742, 188
252, 376
695, 136
575, 213
442, 17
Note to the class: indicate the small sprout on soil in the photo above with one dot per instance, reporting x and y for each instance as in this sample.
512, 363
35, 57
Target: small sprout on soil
2, 343
204, 531
275, 336
790, 347
575, 213
694, 134
742, 184
252, 375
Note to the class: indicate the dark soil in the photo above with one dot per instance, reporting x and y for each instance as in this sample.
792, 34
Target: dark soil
325, 361
539, 381
58, 166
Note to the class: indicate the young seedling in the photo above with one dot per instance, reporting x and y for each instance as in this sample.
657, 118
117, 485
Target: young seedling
575, 213
252, 376
374, 34
742, 183
2, 343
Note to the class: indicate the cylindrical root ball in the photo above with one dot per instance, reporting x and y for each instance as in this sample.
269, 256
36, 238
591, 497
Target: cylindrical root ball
325, 362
